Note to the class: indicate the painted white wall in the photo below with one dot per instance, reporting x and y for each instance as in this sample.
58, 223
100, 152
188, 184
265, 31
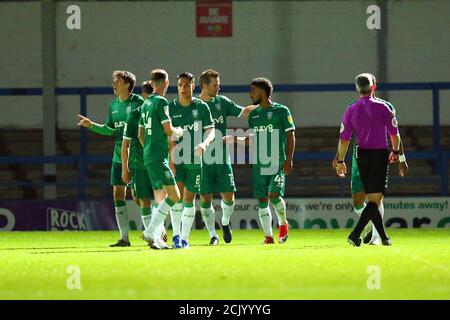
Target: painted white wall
288, 42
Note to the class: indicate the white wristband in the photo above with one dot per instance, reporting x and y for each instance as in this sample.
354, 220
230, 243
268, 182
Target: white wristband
177, 132
402, 158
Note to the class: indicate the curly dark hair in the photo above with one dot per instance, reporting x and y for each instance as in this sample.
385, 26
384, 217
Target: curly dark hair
263, 83
127, 77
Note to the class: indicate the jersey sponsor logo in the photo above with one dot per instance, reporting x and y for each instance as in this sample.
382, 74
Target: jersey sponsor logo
264, 128
119, 124
195, 113
219, 120
129, 109
218, 107
177, 116
195, 126
269, 115
342, 128
394, 122
255, 117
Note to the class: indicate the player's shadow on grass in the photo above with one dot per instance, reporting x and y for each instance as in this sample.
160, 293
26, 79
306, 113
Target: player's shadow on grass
224, 245
42, 248
59, 248
95, 251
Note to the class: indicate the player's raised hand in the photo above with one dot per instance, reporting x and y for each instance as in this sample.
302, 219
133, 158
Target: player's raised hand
403, 168
288, 167
84, 122
341, 169
199, 149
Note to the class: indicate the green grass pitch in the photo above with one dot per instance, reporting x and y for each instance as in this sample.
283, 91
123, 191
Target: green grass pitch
313, 264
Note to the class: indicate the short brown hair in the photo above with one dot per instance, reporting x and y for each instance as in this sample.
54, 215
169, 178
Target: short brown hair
147, 87
207, 75
158, 76
263, 83
127, 77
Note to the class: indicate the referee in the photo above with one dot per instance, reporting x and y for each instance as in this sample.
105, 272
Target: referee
369, 119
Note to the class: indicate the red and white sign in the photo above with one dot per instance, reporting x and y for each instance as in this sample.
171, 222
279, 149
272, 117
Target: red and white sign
214, 18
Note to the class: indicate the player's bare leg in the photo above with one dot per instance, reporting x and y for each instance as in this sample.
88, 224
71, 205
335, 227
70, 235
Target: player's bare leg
227, 205
265, 217
280, 209
134, 197
121, 216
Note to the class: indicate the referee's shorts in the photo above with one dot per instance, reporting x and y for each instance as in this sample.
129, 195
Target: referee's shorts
373, 165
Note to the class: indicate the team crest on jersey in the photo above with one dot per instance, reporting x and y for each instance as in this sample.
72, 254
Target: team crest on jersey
168, 174
218, 106
128, 109
269, 115
195, 113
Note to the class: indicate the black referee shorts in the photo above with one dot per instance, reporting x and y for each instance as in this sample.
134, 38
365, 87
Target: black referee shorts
373, 166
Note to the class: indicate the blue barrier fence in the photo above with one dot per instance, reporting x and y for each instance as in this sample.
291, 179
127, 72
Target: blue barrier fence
438, 155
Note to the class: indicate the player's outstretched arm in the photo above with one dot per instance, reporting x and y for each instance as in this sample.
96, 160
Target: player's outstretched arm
102, 129
171, 131
201, 147
288, 165
245, 140
247, 110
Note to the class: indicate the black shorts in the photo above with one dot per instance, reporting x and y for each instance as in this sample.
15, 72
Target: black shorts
373, 166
